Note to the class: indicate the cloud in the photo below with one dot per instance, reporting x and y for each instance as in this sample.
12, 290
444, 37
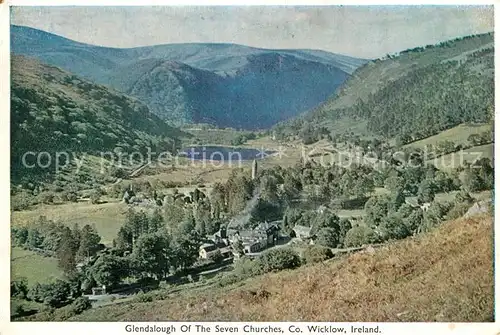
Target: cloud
361, 31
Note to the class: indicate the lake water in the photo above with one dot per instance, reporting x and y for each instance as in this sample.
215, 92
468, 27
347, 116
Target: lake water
218, 153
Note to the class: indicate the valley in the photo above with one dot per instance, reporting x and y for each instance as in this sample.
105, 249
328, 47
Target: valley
228, 183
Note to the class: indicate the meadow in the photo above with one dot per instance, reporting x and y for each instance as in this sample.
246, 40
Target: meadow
458, 135
34, 267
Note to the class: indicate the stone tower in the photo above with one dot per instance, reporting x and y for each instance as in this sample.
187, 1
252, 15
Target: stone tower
254, 169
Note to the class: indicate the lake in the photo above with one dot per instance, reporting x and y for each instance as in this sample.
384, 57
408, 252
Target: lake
229, 154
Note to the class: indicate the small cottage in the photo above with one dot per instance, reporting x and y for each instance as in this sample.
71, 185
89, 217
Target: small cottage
207, 250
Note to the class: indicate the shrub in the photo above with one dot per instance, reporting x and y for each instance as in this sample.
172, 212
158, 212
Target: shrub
226, 280
317, 253
279, 259
458, 210
246, 267
360, 235
216, 257
71, 197
143, 297
22, 200
19, 288
81, 304
95, 197
17, 309
53, 294
328, 237
46, 197
19, 235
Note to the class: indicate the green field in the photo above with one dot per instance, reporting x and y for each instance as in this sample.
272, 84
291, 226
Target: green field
458, 135
457, 159
107, 218
35, 268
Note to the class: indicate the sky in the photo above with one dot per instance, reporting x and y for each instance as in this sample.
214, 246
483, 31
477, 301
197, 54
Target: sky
358, 31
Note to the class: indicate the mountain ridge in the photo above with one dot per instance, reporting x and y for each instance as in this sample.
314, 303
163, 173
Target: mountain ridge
376, 91
236, 77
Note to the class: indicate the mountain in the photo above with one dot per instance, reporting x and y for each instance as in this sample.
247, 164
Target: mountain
223, 84
445, 275
56, 111
412, 94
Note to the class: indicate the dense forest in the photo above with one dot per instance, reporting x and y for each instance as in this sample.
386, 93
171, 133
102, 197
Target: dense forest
414, 94
52, 110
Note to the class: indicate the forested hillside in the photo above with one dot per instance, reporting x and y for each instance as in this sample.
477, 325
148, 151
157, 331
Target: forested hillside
414, 94
226, 85
53, 110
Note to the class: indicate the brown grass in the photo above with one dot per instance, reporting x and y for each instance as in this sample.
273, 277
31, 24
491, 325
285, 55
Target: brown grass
446, 275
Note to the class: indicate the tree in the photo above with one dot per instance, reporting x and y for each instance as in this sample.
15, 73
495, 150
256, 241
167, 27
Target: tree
363, 186
123, 241
81, 304
109, 270
317, 253
414, 221
394, 228
394, 184
463, 197
396, 200
95, 196
238, 248
344, 227
279, 259
54, 294
19, 288
35, 239
426, 191
217, 199
434, 215
472, 180
360, 235
89, 242
327, 237
185, 249
326, 219
156, 221
19, 235
265, 211
269, 189
376, 209
151, 254
66, 251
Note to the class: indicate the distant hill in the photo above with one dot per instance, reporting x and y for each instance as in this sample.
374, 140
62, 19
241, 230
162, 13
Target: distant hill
412, 94
445, 275
53, 110
223, 84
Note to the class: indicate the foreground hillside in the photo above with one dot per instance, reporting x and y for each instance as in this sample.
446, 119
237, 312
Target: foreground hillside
412, 94
445, 275
223, 84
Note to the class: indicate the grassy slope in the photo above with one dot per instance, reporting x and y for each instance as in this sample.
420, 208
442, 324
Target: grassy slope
35, 268
457, 134
446, 275
456, 159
